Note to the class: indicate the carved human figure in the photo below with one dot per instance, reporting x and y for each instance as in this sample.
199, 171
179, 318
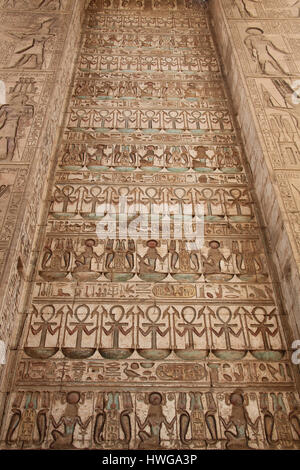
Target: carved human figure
149, 260
84, 260
69, 419
99, 157
155, 419
34, 54
212, 262
13, 116
240, 420
263, 51
201, 159
148, 90
149, 158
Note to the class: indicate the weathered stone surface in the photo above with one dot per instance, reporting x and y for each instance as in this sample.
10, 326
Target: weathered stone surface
258, 44
144, 342
38, 42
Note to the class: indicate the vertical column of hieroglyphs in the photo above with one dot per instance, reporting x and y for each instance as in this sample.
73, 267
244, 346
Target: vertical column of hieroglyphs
144, 342
38, 43
259, 41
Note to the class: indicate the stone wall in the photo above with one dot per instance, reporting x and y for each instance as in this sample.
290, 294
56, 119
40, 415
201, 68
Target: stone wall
135, 339
39, 43
259, 45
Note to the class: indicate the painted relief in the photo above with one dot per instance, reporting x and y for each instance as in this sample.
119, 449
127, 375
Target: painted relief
265, 41
138, 341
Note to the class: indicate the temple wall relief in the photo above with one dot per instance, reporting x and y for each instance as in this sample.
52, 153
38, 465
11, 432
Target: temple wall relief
258, 42
39, 40
129, 337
